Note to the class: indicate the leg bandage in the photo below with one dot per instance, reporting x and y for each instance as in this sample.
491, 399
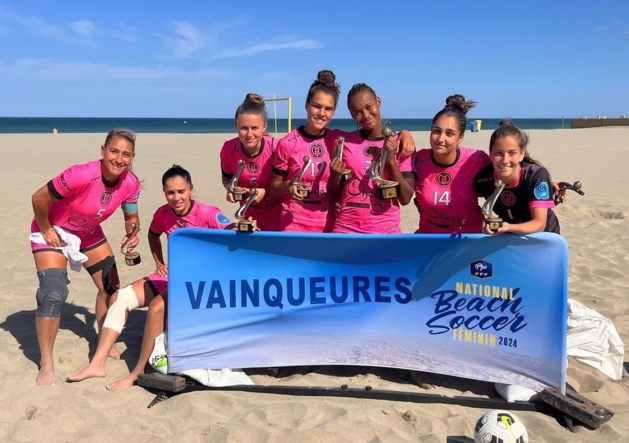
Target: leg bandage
52, 292
116, 316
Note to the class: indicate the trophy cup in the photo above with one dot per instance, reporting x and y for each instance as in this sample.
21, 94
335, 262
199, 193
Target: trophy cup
131, 258
243, 224
576, 187
301, 189
346, 175
387, 189
492, 221
233, 183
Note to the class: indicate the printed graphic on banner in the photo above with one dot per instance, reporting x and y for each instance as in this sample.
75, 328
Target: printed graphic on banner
487, 308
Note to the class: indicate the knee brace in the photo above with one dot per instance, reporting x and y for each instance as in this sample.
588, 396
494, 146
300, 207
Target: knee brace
52, 292
109, 274
116, 317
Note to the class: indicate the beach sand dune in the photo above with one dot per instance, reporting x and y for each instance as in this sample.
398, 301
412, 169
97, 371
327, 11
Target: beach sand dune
595, 227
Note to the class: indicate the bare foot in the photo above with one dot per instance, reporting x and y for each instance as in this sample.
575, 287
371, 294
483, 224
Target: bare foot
416, 377
114, 354
46, 376
89, 371
123, 383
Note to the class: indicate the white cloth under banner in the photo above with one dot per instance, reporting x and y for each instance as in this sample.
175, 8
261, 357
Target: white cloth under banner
71, 248
208, 377
592, 339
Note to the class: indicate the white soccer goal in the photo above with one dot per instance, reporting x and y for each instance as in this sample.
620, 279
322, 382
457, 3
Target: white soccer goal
289, 102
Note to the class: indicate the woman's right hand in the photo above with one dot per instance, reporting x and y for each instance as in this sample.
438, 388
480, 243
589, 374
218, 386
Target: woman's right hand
52, 238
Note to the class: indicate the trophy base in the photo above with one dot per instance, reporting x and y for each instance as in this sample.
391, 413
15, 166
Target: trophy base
493, 223
304, 192
239, 196
387, 192
132, 258
346, 176
244, 226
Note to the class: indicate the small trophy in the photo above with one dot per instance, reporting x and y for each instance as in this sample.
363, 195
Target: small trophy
301, 189
346, 175
233, 183
492, 221
131, 258
245, 225
576, 187
387, 189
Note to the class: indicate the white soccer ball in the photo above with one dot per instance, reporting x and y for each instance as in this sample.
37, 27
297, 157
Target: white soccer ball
500, 427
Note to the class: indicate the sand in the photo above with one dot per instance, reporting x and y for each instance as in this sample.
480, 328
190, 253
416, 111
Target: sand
595, 227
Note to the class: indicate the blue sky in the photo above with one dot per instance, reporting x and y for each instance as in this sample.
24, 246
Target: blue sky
199, 58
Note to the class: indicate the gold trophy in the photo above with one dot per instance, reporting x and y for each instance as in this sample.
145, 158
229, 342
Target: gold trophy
346, 175
233, 183
243, 224
131, 258
296, 181
492, 221
387, 189
560, 196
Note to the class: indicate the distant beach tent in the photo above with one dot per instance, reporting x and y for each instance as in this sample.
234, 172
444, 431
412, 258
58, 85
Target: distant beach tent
289, 102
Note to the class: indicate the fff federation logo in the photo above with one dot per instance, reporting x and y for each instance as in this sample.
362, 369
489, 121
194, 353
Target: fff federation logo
481, 269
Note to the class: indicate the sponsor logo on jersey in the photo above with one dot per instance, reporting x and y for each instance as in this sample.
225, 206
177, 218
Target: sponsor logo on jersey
222, 219
316, 150
252, 167
542, 191
181, 223
63, 183
105, 198
443, 178
507, 198
481, 269
370, 151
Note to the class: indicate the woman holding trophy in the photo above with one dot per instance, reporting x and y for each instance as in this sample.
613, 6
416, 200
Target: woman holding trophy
246, 164
372, 178
524, 205
444, 174
301, 164
180, 211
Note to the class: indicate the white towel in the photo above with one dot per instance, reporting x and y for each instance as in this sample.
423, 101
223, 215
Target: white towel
70, 249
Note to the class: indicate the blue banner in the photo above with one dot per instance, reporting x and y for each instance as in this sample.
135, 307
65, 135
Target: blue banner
485, 308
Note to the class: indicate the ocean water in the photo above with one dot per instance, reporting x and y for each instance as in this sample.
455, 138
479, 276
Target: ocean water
25, 125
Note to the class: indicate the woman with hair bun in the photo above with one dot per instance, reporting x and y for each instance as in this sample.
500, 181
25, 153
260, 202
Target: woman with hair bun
310, 212
526, 202
444, 193
255, 150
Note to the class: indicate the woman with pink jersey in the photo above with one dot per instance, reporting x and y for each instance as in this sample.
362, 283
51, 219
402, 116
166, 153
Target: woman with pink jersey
73, 205
181, 211
362, 208
301, 164
444, 174
246, 163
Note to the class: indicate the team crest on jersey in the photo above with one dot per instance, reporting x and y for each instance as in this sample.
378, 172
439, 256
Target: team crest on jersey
370, 151
252, 167
222, 219
443, 178
181, 223
542, 191
105, 198
507, 198
316, 150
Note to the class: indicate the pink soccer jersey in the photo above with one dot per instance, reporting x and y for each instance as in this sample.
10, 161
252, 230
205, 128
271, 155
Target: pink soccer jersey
361, 210
199, 216
445, 196
84, 200
256, 174
311, 214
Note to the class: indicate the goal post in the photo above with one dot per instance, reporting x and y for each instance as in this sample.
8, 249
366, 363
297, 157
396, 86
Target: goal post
289, 102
